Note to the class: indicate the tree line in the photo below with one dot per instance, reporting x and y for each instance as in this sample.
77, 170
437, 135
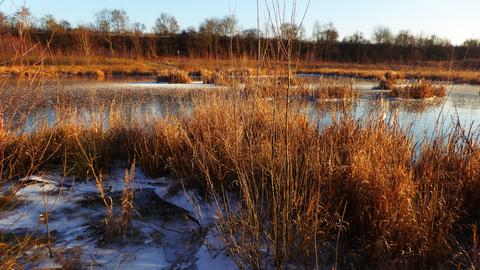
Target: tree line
112, 34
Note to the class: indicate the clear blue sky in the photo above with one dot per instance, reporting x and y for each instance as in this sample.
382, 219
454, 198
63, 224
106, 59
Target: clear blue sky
456, 20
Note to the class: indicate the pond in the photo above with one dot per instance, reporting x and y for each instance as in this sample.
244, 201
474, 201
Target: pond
144, 100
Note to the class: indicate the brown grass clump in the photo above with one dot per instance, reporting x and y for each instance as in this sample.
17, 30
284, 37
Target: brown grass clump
207, 76
227, 77
117, 221
173, 76
218, 77
419, 90
336, 90
389, 81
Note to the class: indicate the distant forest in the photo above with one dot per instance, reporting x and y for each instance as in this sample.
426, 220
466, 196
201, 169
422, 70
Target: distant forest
113, 35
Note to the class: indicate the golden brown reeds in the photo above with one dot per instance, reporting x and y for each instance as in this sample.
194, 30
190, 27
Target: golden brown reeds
173, 76
418, 90
389, 81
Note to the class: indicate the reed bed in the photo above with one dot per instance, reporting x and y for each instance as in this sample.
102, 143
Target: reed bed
173, 76
288, 192
227, 77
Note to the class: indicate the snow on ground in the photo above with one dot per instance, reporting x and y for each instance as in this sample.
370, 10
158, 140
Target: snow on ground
165, 233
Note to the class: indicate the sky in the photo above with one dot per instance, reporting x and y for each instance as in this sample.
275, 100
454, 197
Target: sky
456, 20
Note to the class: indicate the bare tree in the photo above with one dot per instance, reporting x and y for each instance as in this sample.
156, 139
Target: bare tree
4, 25
382, 35
103, 20
85, 43
119, 20
23, 20
230, 29
50, 23
104, 25
291, 31
211, 29
137, 33
166, 25
325, 33
405, 38
229, 26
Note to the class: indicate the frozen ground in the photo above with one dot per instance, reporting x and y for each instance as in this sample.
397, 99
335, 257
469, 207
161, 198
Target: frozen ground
166, 232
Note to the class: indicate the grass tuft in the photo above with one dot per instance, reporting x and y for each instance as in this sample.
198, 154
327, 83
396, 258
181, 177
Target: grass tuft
418, 90
173, 76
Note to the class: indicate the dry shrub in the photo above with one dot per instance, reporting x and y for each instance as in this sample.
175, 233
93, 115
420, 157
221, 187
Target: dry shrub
100, 75
299, 186
448, 177
173, 76
419, 90
217, 77
26, 154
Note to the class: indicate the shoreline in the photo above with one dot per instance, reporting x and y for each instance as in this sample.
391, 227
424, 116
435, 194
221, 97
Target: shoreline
117, 67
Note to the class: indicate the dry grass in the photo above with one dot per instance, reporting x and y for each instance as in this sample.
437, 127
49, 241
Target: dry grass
302, 88
433, 72
173, 76
227, 77
12, 250
418, 90
389, 81
75, 66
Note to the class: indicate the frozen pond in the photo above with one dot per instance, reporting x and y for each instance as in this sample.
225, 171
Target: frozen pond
144, 100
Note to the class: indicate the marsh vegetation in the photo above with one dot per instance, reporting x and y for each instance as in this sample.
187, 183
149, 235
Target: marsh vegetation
247, 165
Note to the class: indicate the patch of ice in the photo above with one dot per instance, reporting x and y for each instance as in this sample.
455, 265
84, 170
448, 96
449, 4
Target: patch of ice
36, 179
213, 260
74, 210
